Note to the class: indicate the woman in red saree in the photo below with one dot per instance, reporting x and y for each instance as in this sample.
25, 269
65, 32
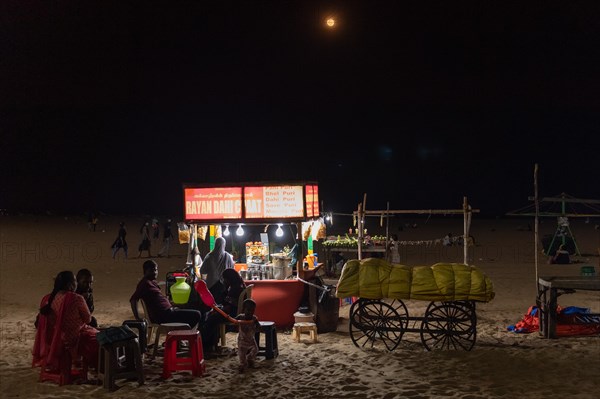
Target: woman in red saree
62, 325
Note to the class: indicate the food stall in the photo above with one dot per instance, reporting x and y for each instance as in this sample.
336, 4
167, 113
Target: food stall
276, 292
346, 247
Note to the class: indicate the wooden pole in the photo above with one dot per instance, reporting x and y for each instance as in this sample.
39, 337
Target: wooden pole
465, 231
359, 226
388, 254
300, 260
421, 212
536, 223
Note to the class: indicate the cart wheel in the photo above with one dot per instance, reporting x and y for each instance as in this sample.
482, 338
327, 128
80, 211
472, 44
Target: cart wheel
468, 306
402, 311
449, 325
376, 324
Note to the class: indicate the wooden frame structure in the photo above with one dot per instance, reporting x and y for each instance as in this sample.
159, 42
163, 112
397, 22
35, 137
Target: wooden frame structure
466, 211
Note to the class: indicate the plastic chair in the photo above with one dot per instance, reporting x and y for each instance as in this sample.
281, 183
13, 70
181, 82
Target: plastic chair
142, 327
157, 329
151, 327
223, 327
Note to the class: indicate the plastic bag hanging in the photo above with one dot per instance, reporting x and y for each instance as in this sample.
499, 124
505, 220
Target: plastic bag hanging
183, 233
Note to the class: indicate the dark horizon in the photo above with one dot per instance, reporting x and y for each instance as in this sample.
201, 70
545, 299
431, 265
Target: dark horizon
112, 106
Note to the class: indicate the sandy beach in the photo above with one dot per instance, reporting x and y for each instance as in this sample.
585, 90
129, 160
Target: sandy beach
502, 364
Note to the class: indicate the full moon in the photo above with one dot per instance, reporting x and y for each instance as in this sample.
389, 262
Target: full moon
330, 22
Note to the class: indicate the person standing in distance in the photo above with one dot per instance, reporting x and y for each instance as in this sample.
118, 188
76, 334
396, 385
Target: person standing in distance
167, 238
120, 241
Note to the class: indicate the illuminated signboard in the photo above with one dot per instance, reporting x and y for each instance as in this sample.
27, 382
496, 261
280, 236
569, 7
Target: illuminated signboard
253, 202
272, 202
214, 203
312, 200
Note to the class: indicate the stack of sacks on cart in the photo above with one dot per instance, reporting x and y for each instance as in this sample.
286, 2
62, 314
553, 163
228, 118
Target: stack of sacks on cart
375, 278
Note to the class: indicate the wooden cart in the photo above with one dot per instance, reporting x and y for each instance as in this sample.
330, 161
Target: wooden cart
383, 322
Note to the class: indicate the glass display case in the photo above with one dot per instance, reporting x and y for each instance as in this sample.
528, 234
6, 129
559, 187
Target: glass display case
257, 252
257, 258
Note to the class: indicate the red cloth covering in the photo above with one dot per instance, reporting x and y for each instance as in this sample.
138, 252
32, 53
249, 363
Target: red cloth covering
566, 324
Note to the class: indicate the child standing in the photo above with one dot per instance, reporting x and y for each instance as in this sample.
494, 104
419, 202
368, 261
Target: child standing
247, 346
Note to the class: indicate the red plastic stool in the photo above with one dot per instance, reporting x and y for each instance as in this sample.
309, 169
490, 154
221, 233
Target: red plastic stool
66, 373
194, 359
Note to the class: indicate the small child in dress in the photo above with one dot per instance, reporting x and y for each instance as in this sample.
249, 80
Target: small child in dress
247, 346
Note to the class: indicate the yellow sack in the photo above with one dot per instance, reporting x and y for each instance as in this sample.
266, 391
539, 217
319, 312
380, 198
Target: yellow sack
374, 278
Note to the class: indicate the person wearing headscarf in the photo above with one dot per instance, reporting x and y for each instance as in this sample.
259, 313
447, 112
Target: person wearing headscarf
213, 266
234, 286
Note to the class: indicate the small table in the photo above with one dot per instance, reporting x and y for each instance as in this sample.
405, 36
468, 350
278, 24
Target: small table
550, 288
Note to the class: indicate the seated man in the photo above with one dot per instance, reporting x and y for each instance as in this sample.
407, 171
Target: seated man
159, 308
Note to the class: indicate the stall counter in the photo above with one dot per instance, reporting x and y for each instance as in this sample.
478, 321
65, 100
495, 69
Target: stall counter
277, 300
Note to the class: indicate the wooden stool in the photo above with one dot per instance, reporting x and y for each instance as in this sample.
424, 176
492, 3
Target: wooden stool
194, 359
113, 365
299, 328
270, 350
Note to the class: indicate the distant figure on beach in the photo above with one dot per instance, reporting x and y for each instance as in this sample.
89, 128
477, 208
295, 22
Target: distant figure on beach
155, 229
561, 257
447, 241
247, 346
167, 238
146, 243
394, 249
94, 221
85, 279
120, 241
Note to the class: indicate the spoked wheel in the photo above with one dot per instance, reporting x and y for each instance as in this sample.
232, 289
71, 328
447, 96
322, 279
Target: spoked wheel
374, 323
402, 311
449, 325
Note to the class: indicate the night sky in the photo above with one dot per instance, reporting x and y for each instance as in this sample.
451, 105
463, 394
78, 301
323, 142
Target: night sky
111, 106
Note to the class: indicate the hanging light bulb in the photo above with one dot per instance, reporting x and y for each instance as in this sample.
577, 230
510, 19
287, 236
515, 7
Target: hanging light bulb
239, 231
226, 231
279, 231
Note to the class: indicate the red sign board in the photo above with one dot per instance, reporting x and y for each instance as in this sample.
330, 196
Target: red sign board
213, 203
312, 201
272, 202
260, 202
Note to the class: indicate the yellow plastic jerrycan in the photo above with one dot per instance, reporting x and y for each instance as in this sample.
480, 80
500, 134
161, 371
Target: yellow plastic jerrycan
311, 259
